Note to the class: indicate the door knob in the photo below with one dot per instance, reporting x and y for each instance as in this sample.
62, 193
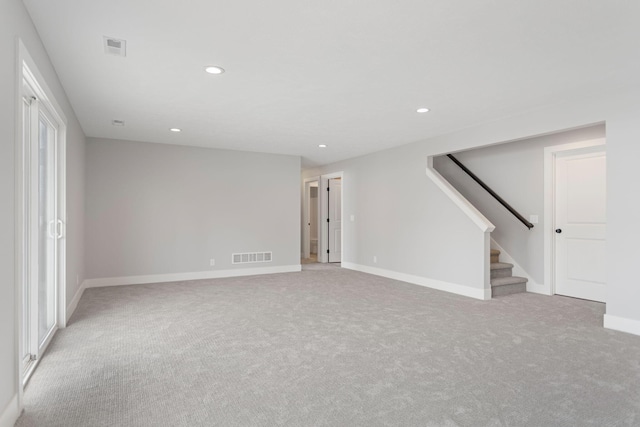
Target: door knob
558, 230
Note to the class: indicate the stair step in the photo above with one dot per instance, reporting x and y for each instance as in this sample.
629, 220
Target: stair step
504, 281
508, 285
495, 255
501, 269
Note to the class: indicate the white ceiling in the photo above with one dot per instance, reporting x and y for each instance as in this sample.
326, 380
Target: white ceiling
345, 73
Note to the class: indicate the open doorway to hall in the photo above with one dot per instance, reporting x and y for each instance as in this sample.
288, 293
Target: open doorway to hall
322, 234
311, 223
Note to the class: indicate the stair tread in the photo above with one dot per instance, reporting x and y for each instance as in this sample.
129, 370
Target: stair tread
495, 252
499, 265
504, 281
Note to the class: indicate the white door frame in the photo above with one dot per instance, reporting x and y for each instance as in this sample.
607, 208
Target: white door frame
27, 71
323, 243
306, 215
550, 154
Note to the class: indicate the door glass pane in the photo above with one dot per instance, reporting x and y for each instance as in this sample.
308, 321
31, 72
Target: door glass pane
46, 230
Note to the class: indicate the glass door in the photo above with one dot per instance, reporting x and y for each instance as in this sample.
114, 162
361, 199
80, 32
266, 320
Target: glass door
48, 229
42, 230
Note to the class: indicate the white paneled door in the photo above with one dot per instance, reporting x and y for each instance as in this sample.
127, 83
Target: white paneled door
581, 224
335, 220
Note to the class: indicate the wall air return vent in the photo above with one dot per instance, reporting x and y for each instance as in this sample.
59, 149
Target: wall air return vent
251, 257
116, 47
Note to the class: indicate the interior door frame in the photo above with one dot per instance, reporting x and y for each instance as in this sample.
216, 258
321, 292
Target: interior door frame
550, 154
323, 243
27, 72
306, 215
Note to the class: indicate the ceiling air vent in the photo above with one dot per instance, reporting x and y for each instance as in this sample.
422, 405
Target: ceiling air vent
115, 46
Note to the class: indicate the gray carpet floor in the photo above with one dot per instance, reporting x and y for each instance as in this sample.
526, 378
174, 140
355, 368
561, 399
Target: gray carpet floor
332, 347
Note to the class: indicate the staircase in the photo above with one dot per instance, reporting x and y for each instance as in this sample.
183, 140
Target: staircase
502, 280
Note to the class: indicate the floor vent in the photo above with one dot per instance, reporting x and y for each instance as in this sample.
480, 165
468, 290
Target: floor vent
251, 257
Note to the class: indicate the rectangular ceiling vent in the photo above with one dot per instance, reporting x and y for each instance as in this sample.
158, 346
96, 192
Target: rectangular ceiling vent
116, 47
251, 257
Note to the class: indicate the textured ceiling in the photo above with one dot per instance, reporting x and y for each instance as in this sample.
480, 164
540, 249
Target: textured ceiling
349, 74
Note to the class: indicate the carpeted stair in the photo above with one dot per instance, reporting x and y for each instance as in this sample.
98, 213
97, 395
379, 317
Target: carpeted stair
502, 280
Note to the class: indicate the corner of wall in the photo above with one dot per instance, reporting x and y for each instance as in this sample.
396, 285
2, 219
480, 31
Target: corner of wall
11, 413
73, 304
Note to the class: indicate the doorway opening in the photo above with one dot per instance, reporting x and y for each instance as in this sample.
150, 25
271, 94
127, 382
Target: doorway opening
322, 213
311, 223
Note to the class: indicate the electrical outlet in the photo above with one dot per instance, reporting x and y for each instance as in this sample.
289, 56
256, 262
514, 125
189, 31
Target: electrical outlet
533, 219
212, 262
353, 217
375, 259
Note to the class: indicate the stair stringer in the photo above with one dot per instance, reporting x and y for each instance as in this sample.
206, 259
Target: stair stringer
532, 285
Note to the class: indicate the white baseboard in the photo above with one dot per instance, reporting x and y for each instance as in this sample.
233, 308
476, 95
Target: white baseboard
74, 302
532, 285
454, 288
10, 414
179, 277
631, 326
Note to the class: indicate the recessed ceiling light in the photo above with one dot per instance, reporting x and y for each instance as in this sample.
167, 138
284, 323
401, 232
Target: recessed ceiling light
422, 110
322, 145
214, 69
175, 130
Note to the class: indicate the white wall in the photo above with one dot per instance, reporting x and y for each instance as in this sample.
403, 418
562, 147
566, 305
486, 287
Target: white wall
76, 144
516, 172
405, 221
15, 23
162, 209
623, 227
401, 214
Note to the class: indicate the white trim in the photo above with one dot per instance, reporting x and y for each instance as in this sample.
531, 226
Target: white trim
532, 285
467, 208
631, 326
486, 263
549, 208
71, 307
180, 277
454, 288
323, 200
10, 413
306, 215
